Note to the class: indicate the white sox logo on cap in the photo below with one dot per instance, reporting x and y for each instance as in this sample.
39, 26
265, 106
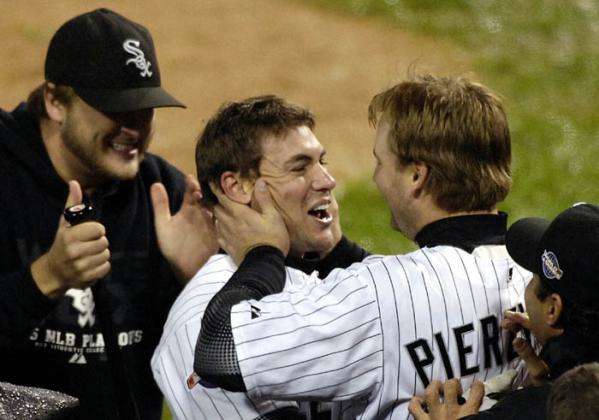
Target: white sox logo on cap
131, 46
551, 266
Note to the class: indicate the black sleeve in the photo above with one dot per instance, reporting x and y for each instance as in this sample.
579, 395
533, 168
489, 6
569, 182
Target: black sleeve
22, 307
261, 273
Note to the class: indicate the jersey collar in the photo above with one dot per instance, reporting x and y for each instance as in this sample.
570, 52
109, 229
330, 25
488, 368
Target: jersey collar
465, 232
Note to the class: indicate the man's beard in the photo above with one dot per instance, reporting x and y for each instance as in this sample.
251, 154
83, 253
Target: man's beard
89, 153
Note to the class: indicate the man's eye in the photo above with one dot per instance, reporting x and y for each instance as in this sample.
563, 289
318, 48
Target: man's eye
298, 169
323, 162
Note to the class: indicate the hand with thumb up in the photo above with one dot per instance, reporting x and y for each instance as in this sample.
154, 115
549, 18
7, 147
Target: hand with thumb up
78, 257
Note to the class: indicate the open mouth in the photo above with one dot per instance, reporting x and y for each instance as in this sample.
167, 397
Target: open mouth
321, 213
125, 146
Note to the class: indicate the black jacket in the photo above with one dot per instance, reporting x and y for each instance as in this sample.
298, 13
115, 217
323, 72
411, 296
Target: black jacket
59, 344
560, 354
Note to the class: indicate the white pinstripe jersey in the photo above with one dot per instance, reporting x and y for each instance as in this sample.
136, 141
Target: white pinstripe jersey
172, 362
372, 335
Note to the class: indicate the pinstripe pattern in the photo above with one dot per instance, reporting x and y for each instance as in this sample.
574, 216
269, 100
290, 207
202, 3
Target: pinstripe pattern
347, 338
172, 362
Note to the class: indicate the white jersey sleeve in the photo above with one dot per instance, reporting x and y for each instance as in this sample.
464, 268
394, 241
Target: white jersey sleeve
172, 362
375, 334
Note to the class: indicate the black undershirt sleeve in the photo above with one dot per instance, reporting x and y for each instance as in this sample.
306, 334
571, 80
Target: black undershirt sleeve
261, 273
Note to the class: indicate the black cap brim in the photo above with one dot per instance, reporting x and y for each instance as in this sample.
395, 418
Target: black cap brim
523, 242
127, 100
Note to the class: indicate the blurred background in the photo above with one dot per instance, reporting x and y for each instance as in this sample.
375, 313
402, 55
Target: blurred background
540, 56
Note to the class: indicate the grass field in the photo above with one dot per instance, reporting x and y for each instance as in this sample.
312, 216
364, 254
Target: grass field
542, 57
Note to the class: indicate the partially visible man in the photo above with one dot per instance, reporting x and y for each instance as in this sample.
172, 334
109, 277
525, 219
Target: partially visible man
271, 138
82, 305
574, 395
373, 335
562, 301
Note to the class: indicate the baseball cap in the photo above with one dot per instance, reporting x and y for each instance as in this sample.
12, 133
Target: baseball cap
109, 60
563, 252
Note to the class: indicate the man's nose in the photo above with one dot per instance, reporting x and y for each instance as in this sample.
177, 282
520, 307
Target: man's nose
324, 180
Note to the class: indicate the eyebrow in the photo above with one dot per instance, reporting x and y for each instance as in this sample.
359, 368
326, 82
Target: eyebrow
301, 157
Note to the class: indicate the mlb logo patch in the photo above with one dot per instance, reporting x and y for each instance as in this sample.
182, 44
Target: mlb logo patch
551, 267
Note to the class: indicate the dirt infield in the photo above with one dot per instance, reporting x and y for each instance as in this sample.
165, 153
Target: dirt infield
212, 51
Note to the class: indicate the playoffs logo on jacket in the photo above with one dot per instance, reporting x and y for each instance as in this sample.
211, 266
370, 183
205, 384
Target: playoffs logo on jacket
73, 329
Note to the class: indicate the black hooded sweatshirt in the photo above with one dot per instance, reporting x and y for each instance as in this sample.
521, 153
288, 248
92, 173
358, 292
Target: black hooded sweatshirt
62, 344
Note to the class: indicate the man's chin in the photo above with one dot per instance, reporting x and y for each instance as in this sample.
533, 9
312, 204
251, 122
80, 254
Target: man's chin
323, 246
122, 172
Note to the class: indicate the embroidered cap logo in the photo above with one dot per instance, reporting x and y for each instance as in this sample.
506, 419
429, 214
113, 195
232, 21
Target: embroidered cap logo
131, 46
551, 265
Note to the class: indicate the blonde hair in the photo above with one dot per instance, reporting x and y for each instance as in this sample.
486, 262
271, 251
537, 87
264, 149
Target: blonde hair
456, 127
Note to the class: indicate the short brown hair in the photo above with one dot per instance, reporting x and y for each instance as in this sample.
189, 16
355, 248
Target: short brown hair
232, 138
574, 395
35, 100
458, 129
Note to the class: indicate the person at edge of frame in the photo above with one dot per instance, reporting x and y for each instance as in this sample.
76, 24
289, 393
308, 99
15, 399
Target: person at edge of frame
562, 302
82, 305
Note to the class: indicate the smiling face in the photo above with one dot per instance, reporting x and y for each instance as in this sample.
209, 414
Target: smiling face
104, 146
294, 168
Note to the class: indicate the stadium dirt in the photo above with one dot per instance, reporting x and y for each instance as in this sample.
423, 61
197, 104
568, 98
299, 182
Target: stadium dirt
212, 51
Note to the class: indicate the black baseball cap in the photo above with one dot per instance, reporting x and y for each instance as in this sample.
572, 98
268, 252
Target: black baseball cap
563, 252
110, 61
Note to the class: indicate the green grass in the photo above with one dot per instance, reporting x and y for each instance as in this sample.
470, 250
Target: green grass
365, 218
542, 57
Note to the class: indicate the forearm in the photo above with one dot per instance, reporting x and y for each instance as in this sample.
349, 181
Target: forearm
261, 273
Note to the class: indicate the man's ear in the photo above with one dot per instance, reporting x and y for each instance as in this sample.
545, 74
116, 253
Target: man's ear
553, 309
236, 188
54, 108
419, 172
